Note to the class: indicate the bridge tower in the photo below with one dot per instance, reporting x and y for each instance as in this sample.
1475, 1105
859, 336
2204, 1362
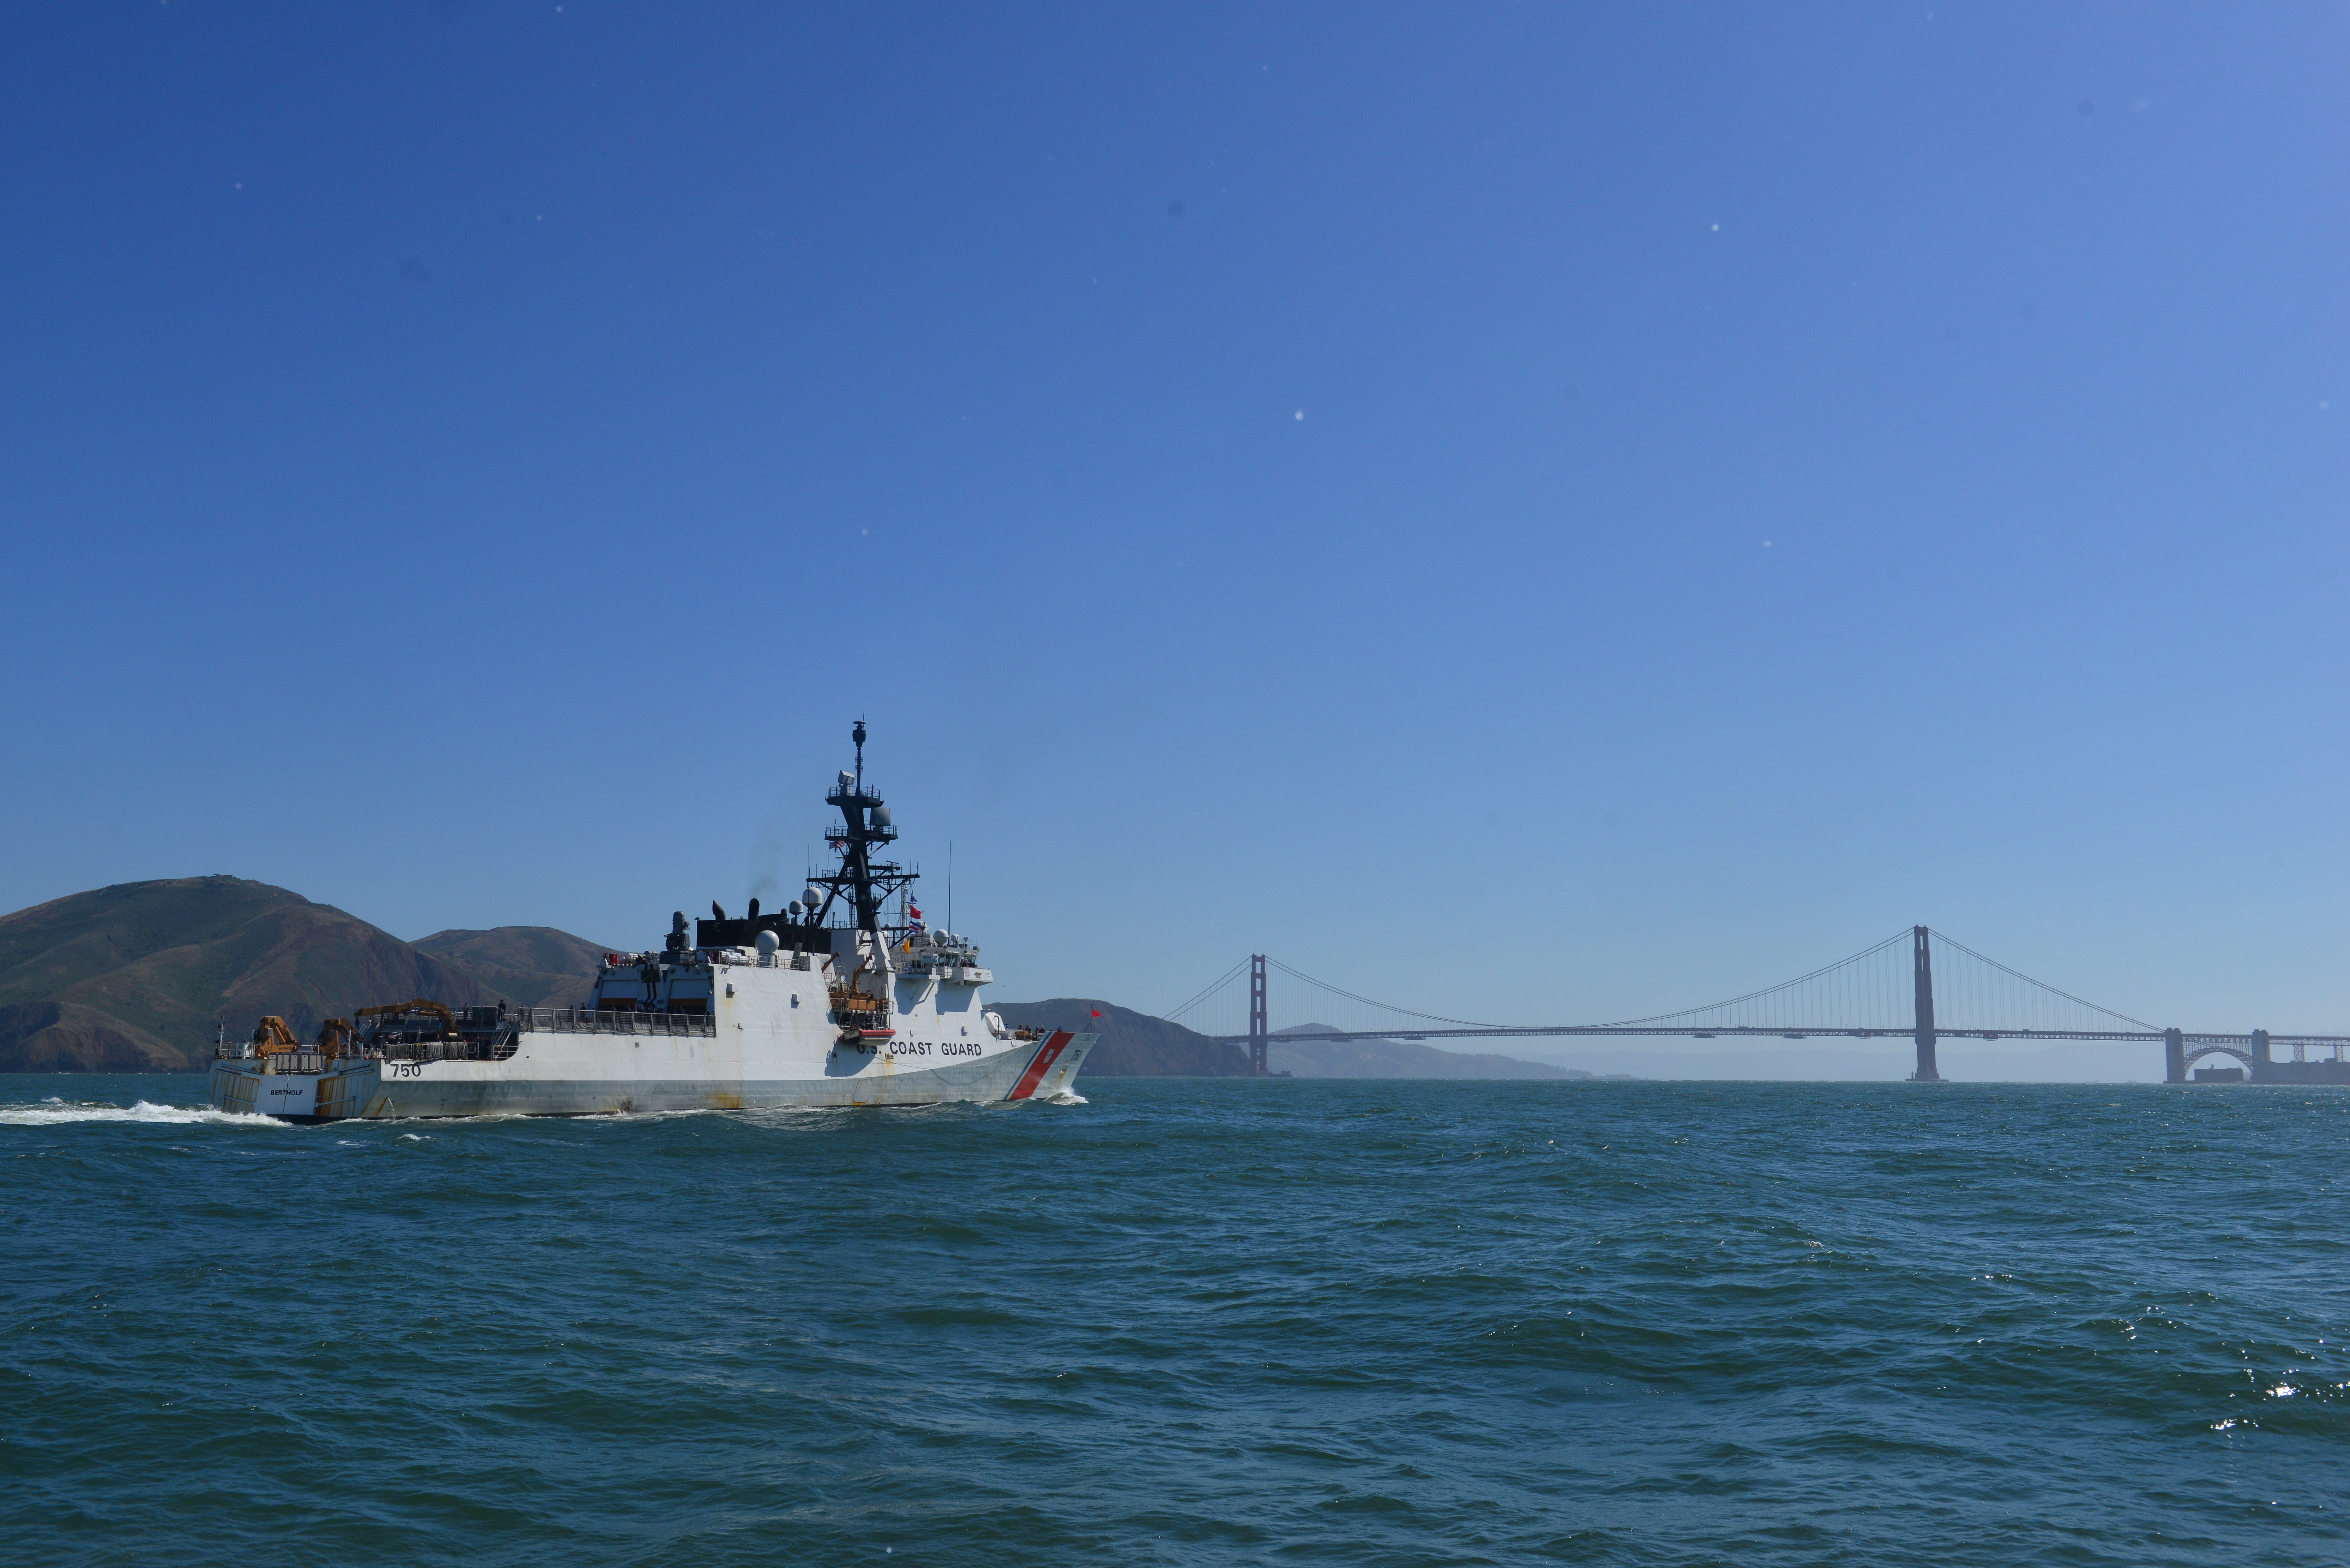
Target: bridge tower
1257, 1045
2174, 1056
1922, 963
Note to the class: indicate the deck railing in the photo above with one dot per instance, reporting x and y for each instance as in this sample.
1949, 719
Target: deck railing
495, 1048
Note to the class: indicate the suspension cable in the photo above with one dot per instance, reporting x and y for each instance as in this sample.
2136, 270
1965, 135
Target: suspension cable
1384, 1006
1213, 986
2043, 985
1768, 991
1771, 990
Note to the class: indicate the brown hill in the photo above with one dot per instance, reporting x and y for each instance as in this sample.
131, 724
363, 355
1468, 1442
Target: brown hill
1133, 1044
534, 966
133, 978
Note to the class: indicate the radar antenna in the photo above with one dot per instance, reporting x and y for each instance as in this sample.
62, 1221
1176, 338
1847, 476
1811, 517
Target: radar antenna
862, 882
866, 883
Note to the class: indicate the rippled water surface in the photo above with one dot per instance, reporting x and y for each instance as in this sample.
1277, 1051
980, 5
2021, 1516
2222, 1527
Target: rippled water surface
1186, 1323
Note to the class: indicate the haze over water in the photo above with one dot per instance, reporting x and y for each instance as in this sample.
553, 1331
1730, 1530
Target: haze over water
1199, 1322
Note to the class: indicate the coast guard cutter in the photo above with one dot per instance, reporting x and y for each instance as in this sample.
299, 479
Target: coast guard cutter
822, 1005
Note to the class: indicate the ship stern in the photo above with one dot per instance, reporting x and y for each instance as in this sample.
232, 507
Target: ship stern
240, 1087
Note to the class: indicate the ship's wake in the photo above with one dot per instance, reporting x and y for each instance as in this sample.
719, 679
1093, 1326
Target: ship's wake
56, 1112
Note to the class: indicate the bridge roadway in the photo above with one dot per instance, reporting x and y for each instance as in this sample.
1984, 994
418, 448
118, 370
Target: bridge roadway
2181, 1048
2255, 1050
2230, 1044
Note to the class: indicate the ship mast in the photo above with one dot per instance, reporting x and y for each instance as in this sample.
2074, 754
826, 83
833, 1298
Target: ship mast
866, 883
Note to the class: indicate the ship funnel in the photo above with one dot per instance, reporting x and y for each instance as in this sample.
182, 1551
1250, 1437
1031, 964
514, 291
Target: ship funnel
755, 908
716, 913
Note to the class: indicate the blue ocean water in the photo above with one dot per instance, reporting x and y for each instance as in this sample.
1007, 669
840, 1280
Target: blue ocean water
1186, 1322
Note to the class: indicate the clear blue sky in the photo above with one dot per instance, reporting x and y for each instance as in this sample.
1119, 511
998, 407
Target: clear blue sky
1538, 509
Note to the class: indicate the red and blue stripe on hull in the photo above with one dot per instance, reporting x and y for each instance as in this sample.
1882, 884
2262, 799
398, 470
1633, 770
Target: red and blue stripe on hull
1042, 1063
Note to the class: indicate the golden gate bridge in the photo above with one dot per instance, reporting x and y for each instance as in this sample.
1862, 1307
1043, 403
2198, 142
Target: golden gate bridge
1918, 983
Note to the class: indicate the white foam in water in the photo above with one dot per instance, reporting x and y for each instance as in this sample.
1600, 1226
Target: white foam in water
55, 1112
639, 1116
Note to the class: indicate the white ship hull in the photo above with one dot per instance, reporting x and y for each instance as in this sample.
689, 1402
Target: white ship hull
567, 1073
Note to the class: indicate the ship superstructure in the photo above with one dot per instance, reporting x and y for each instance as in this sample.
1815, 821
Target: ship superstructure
828, 1001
